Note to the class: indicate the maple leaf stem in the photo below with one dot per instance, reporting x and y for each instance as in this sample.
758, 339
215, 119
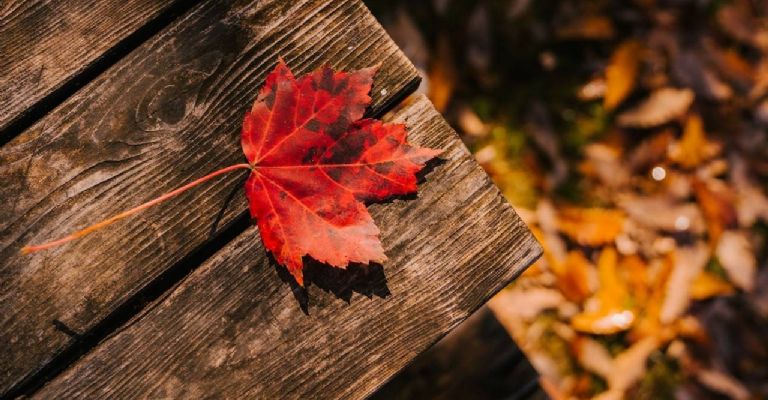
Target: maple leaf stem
72, 236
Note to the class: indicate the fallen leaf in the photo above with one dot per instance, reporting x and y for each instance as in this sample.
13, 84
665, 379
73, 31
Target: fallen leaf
737, 257
592, 90
620, 372
650, 151
751, 202
594, 27
737, 21
691, 70
442, 76
649, 323
722, 383
314, 162
548, 222
573, 277
693, 148
637, 277
612, 315
471, 124
535, 300
689, 262
593, 356
607, 164
664, 213
662, 106
621, 73
732, 66
708, 285
591, 226
629, 366
715, 200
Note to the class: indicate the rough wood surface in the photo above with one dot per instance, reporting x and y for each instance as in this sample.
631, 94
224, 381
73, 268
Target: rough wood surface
167, 113
235, 329
45, 43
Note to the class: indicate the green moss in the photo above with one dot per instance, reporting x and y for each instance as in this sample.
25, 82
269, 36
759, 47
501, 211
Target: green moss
714, 267
660, 380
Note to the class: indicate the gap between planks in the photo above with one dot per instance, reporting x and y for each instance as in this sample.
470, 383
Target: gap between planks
53, 96
233, 329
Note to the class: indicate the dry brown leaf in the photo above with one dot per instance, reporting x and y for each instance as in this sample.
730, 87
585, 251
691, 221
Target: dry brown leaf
593, 356
716, 201
621, 73
606, 163
751, 202
735, 253
693, 148
761, 80
526, 304
722, 383
592, 90
471, 124
664, 213
591, 226
548, 222
689, 262
662, 106
737, 21
629, 366
732, 66
620, 372
650, 151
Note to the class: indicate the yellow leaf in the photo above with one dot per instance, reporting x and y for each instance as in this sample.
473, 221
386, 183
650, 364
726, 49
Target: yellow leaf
612, 316
649, 322
708, 285
591, 226
621, 73
693, 148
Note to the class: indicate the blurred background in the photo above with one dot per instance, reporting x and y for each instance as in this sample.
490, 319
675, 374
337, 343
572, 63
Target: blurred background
631, 137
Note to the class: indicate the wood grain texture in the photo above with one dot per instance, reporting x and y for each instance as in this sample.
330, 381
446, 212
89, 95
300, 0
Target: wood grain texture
167, 113
44, 43
235, 329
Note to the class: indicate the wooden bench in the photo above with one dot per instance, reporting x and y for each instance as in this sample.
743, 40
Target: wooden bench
106, 106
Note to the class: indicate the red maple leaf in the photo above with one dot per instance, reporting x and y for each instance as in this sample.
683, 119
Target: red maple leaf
314, 163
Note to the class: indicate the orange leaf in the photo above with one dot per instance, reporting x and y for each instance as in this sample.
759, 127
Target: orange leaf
591, 226
621, 73
693, 148
708, 285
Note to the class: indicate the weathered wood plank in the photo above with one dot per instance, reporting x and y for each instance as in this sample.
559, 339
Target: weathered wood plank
167, 113
234, 329
45, 43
